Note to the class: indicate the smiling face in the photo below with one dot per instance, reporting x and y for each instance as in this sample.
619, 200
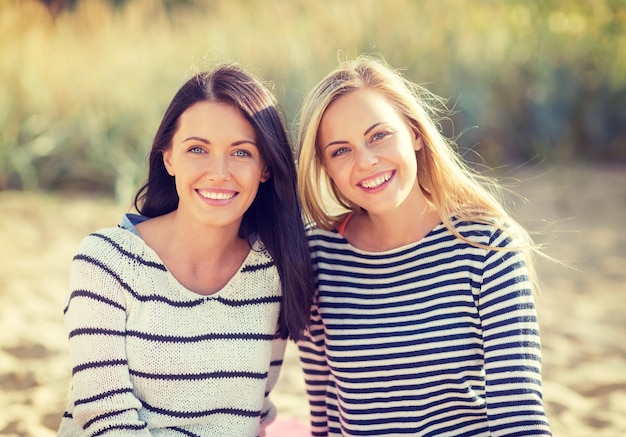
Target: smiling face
368, 150
216, 164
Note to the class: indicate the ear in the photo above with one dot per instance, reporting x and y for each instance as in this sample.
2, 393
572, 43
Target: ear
418, 143
265, 174
167, 161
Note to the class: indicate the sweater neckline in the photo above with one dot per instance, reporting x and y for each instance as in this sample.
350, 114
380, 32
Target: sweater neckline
255, 251
396, 250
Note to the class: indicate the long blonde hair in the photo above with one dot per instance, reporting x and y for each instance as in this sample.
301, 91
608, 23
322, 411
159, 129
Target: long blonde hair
457, 191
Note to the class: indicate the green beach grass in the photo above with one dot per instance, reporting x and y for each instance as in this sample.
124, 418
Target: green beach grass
83, 90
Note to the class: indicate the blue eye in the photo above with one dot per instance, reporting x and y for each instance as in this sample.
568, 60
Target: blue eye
196, 149
241, 153
340, 151
379, 136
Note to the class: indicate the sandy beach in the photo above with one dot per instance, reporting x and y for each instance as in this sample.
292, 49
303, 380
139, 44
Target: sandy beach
579, 211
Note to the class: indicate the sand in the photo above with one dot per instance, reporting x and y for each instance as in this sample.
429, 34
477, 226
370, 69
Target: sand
581, 310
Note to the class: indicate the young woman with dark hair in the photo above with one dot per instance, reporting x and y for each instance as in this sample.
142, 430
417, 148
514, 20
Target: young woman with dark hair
179, 317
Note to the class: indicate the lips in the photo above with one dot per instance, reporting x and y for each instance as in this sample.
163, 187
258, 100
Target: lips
377, 180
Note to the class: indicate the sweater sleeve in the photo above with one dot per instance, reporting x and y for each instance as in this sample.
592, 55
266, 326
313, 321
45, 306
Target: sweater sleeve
512, 350
312, 350
95, 319
268, 414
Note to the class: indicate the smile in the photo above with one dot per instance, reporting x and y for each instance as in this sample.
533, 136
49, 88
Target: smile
377, 181
217, 195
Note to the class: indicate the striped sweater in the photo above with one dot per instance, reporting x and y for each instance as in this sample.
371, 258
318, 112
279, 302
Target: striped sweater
436, 338
152, 358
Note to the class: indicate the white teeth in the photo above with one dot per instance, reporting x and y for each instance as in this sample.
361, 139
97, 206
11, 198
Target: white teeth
217, 196
373, 183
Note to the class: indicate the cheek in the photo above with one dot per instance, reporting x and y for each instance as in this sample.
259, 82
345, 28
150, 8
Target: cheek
409, 153
333, 170
340, 177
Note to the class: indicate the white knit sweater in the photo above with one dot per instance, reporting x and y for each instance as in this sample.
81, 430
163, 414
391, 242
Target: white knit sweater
152, 358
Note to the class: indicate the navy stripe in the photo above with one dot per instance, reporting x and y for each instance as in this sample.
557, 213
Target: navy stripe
104, 416
119, 427
102, 396
193, 414
403, 266
158, 266
198, 376
442, 339
95, 365
245, 302
427, 321
366, 375
184, 432
171, 338
254, 268
182, 304
427, 330
92, 295
534, 333
96, 331
196, 338
401, 385
397, 314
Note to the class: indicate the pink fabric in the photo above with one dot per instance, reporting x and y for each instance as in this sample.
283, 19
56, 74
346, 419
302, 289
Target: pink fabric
342, 226
288, 428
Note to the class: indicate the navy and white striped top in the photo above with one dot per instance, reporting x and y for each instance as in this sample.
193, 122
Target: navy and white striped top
152, 358
436, 338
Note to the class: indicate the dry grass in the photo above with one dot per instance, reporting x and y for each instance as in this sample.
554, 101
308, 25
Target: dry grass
83, 92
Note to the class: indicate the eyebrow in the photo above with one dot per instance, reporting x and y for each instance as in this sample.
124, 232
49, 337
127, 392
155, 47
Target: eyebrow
202, 140
368, 130
205, 141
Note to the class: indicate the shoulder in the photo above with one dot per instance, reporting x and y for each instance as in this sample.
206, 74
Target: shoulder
488, 233
115, 239
257, 277
260, 258
323, 241
501, 252
315, 234
115, 249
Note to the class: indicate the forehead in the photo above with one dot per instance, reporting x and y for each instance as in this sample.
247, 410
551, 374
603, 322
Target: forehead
217, 117
359, 108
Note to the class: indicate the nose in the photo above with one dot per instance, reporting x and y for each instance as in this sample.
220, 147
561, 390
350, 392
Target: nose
365, 157
218, 168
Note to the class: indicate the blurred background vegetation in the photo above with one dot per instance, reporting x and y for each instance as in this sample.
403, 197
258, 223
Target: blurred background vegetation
83, 84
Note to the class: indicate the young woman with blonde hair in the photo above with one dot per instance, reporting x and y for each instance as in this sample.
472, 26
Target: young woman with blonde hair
423, 322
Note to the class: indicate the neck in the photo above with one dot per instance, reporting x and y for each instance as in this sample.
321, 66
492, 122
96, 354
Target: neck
385, 231
196, 241
202, 258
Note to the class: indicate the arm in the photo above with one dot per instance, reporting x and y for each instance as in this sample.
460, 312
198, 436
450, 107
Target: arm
316, 372
512, 348
95, 319
269, 410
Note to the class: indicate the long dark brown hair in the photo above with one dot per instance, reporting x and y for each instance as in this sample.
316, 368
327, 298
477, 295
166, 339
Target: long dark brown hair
275, 214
